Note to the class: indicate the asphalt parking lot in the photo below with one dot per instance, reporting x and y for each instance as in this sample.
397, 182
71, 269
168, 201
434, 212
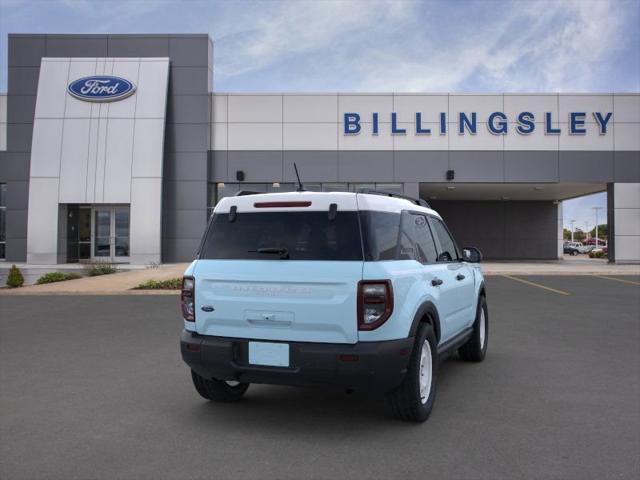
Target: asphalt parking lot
94, 387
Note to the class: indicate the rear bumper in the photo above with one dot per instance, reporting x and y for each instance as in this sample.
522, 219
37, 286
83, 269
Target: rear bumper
372, 366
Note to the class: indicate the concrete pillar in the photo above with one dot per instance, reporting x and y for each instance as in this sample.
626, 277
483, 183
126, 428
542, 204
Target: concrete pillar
560, 236
412, 190
623, 208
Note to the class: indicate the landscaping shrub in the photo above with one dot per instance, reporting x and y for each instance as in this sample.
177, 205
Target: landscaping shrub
15, 278
596, 254
52, 277
96, 269
171, 284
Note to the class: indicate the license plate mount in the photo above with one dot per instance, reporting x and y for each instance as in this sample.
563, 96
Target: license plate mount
269, 354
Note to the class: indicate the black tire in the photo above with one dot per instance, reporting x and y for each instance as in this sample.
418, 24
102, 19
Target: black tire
218, 390
574, 253
475, 349
405, 401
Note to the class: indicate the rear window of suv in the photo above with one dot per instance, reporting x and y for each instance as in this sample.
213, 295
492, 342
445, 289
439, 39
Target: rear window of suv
279, 235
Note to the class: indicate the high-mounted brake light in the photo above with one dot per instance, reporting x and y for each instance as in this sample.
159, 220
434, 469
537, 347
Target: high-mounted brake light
281, 204
375, 303
187, 299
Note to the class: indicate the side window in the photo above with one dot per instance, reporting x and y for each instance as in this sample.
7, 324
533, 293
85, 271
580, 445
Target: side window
447, 251
380, 234
416, 242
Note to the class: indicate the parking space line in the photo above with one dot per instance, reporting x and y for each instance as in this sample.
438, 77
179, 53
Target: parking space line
534, 284
631, 282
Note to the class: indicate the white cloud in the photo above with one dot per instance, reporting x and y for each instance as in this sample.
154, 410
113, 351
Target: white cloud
292, 29
376, 45
533, 46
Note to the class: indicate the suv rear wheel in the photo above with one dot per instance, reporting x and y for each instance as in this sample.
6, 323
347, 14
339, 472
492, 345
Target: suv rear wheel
218, 390
413, 399
476, 347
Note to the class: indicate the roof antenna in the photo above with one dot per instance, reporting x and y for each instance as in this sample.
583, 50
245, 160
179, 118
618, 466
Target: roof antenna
300, 186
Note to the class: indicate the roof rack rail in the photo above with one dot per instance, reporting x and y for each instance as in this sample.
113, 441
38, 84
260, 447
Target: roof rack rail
242, 193
417, 201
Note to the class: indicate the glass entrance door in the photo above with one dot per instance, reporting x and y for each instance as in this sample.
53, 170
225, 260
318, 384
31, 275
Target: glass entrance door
111, 234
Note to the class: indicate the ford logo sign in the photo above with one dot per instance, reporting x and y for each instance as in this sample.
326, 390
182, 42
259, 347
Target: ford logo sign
101, 88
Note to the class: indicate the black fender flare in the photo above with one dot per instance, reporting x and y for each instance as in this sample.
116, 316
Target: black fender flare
426, 310
482, 291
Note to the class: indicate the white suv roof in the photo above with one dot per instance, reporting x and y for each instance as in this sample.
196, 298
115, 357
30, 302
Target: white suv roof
320, 201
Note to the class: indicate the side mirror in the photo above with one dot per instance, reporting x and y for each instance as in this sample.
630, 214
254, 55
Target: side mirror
471, 255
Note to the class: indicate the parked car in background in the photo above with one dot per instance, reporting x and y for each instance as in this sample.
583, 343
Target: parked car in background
592, 241
572, 248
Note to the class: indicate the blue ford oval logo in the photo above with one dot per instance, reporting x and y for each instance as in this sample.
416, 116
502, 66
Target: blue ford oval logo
101, 88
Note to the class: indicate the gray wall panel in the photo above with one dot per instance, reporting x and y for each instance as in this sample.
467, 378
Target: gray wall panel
185, 223
503, 230
189, 51
188, 109
17, 194
23, 80
187, 137
22, 108
258, 166
314, 166
365, 166
586, 166
429, 166
188, 80
16, 222
185, 195
529, 166
4, 162
16, 250
138, 46
76, 46
15, 167
19, 137
477, 166
186, 145
531, 230
218, 166
626, 166
185, 166
181, 249
26, 50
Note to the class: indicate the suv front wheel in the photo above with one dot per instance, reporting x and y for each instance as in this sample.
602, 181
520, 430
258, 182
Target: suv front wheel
413, 399
218, 390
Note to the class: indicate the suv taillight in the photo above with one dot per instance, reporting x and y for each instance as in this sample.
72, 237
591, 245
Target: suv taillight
187, 298
375, 303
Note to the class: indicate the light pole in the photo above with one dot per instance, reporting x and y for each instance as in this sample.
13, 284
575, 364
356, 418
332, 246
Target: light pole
572, 222
596, 210
586, 231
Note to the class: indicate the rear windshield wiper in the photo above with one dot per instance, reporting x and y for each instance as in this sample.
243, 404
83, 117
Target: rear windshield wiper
283, 252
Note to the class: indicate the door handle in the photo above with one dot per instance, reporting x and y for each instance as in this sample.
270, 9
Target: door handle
460, 277
436, 281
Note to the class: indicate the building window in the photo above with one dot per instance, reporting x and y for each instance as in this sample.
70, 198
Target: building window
217, 191
3, 220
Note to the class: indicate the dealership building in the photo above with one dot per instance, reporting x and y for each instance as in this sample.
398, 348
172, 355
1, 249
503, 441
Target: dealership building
117, 147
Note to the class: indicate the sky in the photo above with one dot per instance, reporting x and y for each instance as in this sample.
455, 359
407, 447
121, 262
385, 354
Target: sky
377, 45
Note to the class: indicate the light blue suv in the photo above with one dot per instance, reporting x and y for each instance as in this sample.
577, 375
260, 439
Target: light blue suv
362, 291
